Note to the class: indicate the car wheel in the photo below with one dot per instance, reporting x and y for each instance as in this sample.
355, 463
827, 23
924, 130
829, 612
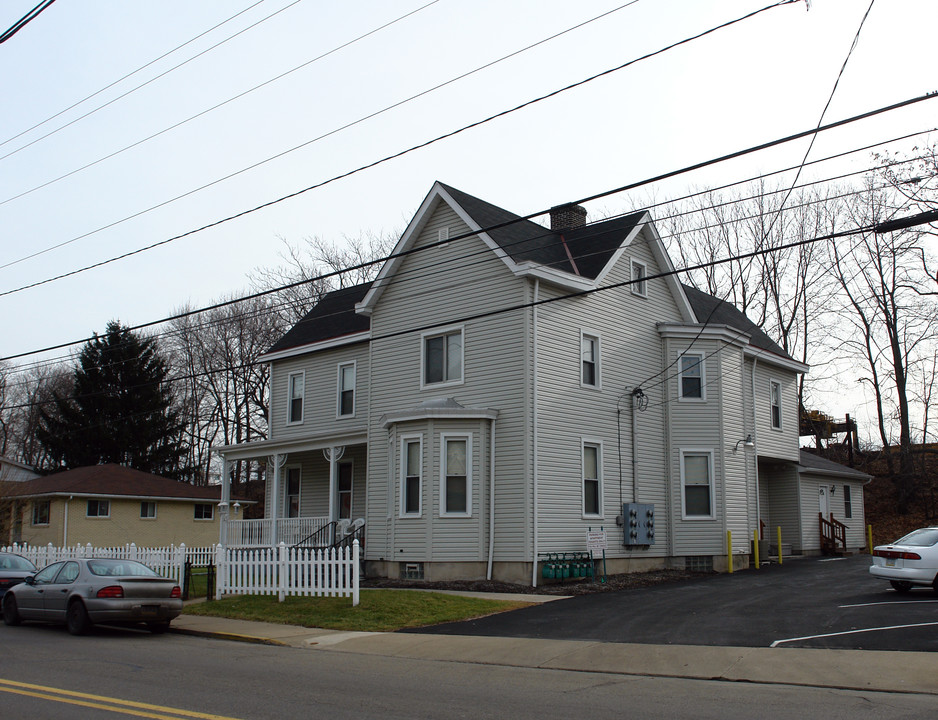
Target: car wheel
902, 586
158, 628
11, 615
76, 617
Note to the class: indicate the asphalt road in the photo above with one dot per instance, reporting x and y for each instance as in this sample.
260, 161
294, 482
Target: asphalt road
46, 673
806, 602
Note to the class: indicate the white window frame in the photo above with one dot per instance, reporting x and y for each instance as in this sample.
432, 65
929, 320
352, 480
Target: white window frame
285, 507
697, 452
340, 388
107, 506
211, 516
406, 441
597, 444
702, 365
597, 357
443, 332
48, 506
444, 438
773, 384
351, 489
290, 398
639, 288
148, 502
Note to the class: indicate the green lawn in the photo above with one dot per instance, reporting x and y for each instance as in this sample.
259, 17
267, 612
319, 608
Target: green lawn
377, 611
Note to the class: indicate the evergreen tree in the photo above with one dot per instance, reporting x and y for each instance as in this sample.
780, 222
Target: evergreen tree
120, 409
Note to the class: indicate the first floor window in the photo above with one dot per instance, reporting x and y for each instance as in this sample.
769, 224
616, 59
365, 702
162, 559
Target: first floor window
776, 401
293, 492
848, 504
443, 357
696, 473
148, 509
345, 490
411, 484
204, 511
592, 461
295, 391
589, 360
98, 508
455, 495
41, 512
691, 376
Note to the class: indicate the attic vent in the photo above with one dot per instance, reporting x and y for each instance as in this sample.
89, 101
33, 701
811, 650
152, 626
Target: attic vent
443, 233
567, 217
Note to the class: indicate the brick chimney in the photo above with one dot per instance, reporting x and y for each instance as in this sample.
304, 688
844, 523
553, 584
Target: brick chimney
567, 217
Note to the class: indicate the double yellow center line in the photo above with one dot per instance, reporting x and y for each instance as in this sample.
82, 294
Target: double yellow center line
127, 707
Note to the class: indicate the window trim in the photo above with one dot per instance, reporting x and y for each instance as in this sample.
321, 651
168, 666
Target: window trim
639, 289
598, 445
290, 398
107, 506
442, 332
148, 502
444, 438
702, 364
285, 507
697, 452
48, 506
339, 389
203, 519
405, 441
848, 502
772, 385
597, 360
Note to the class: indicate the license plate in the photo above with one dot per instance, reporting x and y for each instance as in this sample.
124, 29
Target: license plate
149, 609
890, 562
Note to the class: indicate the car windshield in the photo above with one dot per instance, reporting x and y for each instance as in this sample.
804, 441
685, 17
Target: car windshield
15, 562
118, 568
926, 537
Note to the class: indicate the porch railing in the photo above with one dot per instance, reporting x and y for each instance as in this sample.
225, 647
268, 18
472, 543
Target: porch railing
260, 533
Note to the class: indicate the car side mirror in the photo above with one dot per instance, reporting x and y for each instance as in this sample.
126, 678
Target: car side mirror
29, 580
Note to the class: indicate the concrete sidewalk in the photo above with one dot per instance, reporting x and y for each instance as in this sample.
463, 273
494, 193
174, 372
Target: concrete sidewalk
845, 669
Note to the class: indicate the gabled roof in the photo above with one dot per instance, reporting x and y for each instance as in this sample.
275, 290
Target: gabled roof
333, 316
113, 481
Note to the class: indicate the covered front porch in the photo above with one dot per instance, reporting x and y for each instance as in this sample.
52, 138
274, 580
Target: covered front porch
314, 492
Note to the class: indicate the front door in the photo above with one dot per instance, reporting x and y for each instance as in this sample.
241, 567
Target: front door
824, 501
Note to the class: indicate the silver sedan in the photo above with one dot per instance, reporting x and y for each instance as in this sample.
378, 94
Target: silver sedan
83, 592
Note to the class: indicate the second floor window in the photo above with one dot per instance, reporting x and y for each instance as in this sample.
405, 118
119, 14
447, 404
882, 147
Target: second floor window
691, 376
347, 389
295, 390
775, 392
443, 357
639, 273
589, 360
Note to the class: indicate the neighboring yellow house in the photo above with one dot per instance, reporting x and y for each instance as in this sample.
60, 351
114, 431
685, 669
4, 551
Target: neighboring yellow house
112, 505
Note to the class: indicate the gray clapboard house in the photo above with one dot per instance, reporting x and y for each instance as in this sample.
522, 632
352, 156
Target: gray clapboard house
502, 387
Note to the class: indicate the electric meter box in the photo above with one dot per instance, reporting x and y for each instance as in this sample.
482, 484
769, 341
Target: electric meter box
638, 524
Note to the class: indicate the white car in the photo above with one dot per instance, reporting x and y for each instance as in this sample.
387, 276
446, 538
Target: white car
910, 561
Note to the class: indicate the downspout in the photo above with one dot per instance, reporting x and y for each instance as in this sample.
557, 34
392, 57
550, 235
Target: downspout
65, 523
537, 288
275, 498
755, 450
488, 573
225, 498
634, 449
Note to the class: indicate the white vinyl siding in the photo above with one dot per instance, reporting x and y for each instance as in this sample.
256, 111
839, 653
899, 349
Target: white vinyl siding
777, 442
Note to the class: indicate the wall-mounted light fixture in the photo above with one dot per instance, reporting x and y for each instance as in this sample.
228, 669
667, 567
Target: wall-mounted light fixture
746, 443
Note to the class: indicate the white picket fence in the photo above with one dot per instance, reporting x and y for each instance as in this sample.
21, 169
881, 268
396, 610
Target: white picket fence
286, 571
167, 561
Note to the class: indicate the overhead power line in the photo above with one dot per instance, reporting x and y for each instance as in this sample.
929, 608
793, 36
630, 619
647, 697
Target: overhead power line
23, 21
368, 166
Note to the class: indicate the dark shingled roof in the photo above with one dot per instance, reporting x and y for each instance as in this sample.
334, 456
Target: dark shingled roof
333, 316
713, 311
114, 481
811, 462
590, 246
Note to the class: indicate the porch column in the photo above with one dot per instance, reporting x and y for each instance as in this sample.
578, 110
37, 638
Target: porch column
223, 505
277, 461
333, 492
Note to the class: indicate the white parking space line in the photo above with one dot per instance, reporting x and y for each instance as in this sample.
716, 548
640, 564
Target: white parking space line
850, 632
892, 602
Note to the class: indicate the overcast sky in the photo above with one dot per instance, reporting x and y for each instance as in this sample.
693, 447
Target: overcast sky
763, 78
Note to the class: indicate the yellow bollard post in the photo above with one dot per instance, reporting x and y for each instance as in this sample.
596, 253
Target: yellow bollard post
729, 550
779, 533
869, 538
755, 546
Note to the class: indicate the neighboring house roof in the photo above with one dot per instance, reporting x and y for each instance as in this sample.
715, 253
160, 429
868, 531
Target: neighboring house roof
817, 465
114, 481
713, 311
13, 471
334, 316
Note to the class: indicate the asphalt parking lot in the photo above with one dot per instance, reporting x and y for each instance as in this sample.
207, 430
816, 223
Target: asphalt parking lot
805, 602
